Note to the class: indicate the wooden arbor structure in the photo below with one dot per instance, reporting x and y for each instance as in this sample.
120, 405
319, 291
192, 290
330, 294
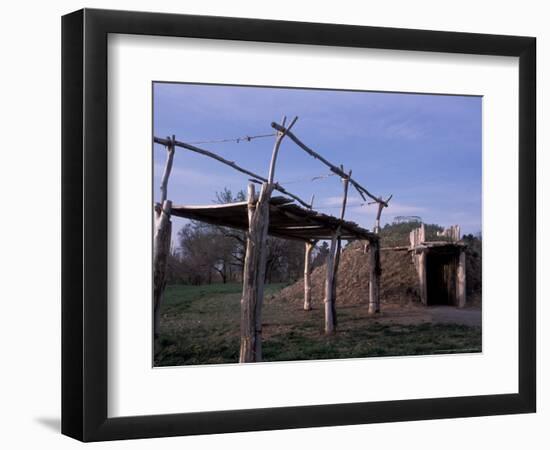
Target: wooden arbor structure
262, 215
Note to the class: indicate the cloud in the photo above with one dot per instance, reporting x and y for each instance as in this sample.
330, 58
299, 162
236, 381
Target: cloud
403, 129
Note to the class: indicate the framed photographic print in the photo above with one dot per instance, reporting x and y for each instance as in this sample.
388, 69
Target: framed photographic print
273, 224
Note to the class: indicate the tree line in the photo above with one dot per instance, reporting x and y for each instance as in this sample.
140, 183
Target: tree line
205, 254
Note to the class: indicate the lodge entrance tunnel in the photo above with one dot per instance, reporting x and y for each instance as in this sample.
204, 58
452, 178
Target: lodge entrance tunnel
441, 278
441, 266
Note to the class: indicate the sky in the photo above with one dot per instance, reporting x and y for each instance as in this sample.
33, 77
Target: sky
424, 149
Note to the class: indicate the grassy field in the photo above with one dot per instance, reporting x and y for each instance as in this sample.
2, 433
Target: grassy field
200, 325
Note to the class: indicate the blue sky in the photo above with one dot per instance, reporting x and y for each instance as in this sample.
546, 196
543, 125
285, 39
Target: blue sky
423, 149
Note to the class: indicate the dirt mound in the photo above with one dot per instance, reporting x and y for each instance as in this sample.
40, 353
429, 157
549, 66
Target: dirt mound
473, 273
398, 283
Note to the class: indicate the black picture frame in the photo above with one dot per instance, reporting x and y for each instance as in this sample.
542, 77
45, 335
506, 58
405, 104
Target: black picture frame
84, 224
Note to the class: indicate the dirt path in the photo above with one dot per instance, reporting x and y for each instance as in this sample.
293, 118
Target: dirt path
411, 315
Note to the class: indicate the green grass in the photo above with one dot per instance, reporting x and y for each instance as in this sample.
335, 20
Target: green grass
200, 325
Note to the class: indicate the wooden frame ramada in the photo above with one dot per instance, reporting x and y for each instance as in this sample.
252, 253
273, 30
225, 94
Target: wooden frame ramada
84, 224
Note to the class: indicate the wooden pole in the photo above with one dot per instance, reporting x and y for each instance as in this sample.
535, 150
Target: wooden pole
381, 205
278, 140
378, 274
161, 249
329, 287
375, 272
254, 275
255, 263
263, 220
332, 266
212, 155
251, 197
421, 270
345, 180
461, 280
161, 239
249, 295
307, 275
335, 169
170, 150
377, 221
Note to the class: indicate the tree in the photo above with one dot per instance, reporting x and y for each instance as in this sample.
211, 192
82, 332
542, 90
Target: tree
320, 255
233, 246
209, 252
198, 255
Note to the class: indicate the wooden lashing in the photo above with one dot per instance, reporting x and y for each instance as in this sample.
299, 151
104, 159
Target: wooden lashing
255, 262
310, 245
161, 239
332, 265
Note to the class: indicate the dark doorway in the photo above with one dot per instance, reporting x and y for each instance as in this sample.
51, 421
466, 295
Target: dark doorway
441, 278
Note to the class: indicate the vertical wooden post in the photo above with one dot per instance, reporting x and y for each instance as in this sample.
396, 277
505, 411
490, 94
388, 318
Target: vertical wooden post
421, 270
251, 197
345, 181
378, 273
161, 240
161, 249
461, 280
307, 275
374, 281
329, 287
254, 275
263, 226
378, 214
333, 261
417, 236
255, 261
